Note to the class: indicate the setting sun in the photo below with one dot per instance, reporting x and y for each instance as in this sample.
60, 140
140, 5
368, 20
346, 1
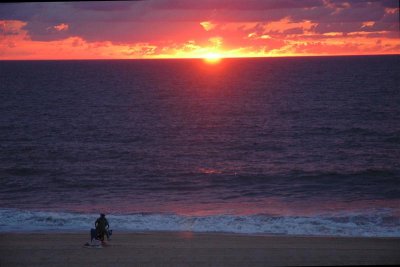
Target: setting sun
212, 58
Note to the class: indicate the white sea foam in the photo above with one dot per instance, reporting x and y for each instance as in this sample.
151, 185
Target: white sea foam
381, 224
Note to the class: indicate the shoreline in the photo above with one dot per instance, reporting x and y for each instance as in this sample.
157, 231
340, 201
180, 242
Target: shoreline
196, 249
120, 232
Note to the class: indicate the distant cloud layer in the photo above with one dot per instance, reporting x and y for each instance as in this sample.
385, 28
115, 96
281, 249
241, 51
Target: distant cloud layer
192, 28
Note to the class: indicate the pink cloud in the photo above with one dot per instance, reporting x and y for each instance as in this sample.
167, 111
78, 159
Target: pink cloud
61, 27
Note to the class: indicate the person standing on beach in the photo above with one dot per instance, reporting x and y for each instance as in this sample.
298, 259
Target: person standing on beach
102, 227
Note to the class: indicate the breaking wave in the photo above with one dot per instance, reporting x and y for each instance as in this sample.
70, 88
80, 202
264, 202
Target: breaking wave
378, 224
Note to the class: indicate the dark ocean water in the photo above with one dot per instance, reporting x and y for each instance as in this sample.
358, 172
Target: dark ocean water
271, 146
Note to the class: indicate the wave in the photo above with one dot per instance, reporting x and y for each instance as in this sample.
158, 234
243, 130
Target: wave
381, 223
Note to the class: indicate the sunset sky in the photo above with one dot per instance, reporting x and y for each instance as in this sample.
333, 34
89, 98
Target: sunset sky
194, 28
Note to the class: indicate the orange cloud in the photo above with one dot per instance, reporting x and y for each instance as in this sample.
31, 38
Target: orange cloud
15, 43
286, 24
368, 24
10, 28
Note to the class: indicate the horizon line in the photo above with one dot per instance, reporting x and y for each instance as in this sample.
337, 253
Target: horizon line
201, 58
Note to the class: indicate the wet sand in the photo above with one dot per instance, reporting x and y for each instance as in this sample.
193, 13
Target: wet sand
189, 249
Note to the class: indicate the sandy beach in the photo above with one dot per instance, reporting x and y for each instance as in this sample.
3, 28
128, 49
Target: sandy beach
195, 249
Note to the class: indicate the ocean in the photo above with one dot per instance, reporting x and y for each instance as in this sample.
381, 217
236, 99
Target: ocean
285, 146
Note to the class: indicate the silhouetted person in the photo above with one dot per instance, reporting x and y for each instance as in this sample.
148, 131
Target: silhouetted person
102, 227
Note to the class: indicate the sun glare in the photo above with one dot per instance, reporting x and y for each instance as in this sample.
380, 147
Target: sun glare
212, 58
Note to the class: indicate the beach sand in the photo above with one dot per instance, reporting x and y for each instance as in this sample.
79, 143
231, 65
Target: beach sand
195, 249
